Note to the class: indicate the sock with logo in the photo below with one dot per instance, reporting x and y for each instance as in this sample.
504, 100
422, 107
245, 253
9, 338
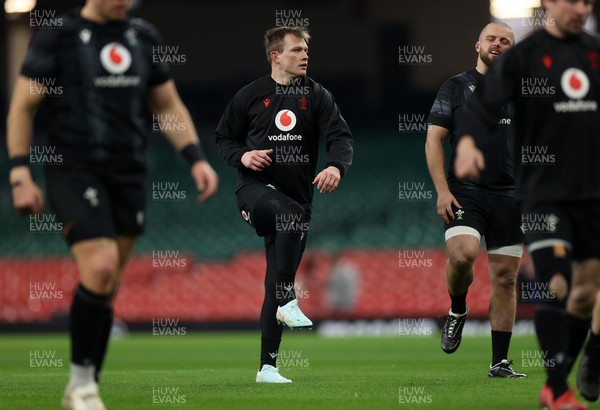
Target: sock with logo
284, 289
268, 352
287, 253
271, 331
283, 252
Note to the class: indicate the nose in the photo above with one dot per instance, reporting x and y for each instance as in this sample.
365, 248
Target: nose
498, 44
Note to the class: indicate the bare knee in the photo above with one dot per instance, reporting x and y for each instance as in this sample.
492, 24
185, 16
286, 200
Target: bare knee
582, 299
503, 272
462, 257
98, 263
102, 272
505, 277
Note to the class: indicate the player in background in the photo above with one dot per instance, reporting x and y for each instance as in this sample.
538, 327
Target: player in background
101, 60
483, 207
558, 182
270, 133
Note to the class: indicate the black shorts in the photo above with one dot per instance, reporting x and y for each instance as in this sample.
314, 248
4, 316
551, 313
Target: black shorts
94, 201
495, 217
574, 225
249, 195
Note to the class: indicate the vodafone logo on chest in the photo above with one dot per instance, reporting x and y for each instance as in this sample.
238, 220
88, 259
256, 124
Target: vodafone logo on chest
115, 58
575, 83
285, 120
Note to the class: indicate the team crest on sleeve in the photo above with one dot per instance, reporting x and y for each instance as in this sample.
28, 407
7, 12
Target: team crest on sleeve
139, 218
85, 35
593, 56
303, 103
547, 61
131, 36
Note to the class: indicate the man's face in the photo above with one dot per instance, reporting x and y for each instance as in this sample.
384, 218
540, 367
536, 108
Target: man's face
569, 16
293, 60
495, 40
111, 9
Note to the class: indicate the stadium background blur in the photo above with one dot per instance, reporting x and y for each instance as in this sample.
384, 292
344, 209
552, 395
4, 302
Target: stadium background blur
376, 245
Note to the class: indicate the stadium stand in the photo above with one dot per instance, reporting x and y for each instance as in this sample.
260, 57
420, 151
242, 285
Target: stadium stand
36, 290
218, 258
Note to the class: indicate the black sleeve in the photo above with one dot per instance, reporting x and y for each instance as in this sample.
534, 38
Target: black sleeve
484, 108
441, 113
231, 132
333, 127
159, 72
41, 58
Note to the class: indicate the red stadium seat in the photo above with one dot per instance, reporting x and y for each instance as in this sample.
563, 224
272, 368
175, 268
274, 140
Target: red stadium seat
233, 290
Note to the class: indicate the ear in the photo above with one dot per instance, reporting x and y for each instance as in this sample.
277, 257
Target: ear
274, 57
477, 47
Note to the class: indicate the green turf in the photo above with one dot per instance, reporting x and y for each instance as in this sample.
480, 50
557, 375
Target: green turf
216, 371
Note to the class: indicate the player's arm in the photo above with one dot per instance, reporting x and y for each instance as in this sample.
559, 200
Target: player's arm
469, 159
230, 136
27, 197
338, 142
483, 110
167, 105
434, 154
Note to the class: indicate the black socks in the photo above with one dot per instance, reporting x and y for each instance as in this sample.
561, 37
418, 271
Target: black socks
551, 326
268, 352
88, 327
500, 344
459, 303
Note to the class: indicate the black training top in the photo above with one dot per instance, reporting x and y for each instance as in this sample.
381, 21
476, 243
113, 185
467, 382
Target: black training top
555, 85
447, 112
96, 77
288, 119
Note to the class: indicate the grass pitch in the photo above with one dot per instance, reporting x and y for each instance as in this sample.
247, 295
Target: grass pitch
217, 371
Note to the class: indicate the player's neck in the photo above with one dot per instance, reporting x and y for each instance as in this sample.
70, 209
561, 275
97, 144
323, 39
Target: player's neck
481, 67
282, 78
88, 13
557, 33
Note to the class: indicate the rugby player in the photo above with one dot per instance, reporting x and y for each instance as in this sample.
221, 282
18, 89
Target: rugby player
270, 133
561, 187
102, 61
482, 207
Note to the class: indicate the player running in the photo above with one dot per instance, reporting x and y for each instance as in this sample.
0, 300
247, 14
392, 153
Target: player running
482, 207
102, 62
558, 182
270, 132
